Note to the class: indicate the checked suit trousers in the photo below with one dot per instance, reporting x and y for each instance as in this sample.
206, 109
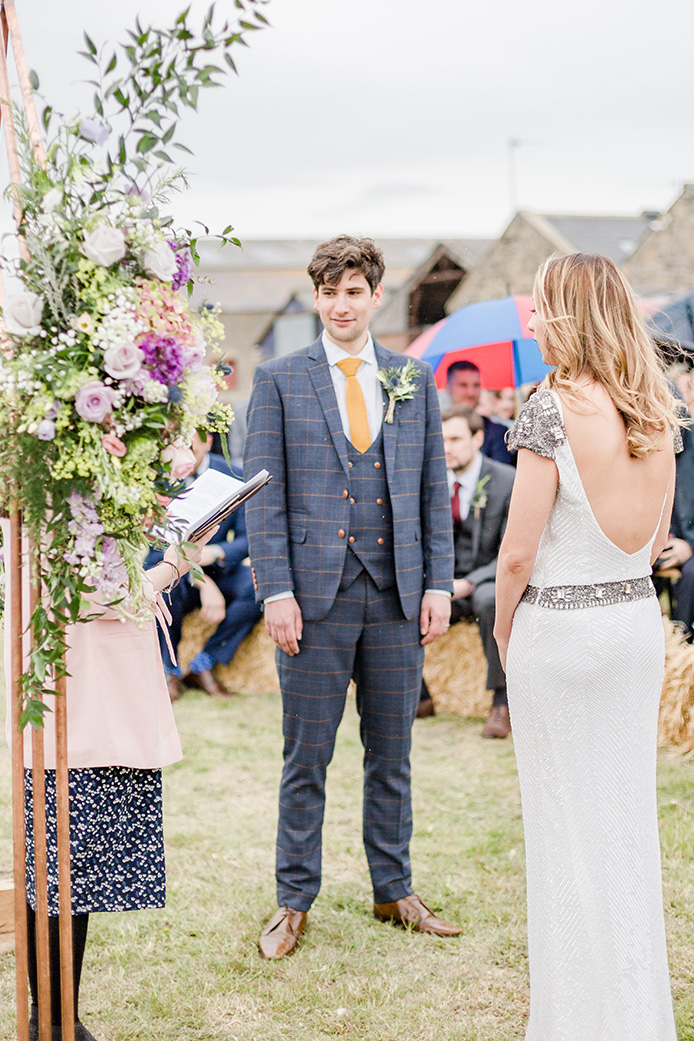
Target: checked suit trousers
364, 636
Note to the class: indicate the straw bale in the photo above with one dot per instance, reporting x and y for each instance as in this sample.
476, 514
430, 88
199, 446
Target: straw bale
676, 720
455, 670
251, 670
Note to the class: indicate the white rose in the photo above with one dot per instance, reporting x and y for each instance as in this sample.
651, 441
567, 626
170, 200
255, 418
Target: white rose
123, 361
22, 313
105, 245
51, 200
160, 262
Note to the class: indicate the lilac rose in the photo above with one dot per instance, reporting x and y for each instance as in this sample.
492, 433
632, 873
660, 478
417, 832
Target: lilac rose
123, 361
93, 401
92, 130
46, 430
105, 245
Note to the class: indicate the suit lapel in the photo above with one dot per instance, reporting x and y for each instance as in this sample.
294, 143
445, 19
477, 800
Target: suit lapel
477, 516
390, 430
319, 372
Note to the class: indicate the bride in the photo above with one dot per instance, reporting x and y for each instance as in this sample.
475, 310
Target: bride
578, 624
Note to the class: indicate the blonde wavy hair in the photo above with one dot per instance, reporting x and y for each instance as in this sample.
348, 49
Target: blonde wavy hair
592, 326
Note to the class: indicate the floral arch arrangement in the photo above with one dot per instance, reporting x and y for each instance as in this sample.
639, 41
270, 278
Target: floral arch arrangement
104, 375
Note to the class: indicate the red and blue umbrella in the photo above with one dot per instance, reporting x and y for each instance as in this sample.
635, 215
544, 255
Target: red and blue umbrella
493, 334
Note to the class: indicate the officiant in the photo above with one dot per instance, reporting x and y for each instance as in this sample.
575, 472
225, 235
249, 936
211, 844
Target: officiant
225, 595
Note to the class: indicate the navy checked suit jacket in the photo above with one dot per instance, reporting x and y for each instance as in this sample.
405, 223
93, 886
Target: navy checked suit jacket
294, 524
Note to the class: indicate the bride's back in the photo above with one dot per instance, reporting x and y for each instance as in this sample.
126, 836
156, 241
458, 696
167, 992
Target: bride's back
626, 494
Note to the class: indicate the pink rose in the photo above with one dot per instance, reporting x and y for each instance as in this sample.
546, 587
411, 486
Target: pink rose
93, 401
181, 461
114, 445
123, 361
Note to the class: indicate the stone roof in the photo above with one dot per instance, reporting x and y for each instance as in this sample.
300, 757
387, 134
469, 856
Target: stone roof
612, 236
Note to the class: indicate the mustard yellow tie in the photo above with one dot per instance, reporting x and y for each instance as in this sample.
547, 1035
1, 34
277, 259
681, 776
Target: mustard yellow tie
360, 435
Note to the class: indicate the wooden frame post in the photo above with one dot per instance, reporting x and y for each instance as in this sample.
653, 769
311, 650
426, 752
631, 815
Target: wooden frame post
21, 606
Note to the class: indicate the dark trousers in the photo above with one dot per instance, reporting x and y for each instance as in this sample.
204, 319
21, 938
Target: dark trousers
80, 923
241, 614
683, 610
481, 605
364, 636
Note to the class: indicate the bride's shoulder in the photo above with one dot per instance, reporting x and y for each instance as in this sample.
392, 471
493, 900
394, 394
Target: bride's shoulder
540, 425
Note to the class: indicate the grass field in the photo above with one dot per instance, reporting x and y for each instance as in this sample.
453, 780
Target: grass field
192, 972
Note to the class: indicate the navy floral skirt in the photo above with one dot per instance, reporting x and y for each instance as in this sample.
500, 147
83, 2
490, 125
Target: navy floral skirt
116, 840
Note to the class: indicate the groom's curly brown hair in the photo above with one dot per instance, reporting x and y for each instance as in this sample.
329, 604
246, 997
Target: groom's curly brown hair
333, 258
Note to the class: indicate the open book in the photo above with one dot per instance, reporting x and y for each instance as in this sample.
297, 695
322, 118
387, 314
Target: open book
207, 502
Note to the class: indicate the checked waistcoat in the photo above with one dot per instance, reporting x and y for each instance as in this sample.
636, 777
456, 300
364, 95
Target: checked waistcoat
370, 517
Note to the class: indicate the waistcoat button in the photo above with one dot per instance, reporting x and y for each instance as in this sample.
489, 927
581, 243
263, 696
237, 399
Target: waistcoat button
350, 465
353, 501
377, 466
351, 538
345, 494
379, 502
341, 533
380, 542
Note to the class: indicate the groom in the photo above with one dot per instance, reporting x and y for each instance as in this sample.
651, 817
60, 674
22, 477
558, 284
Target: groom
352, 557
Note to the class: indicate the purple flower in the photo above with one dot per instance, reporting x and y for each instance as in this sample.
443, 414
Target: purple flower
93, 401
92, 130
184, 265
163, 357
113, 580
46, 431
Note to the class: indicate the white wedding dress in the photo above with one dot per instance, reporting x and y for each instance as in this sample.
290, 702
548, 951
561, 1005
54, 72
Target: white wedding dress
585, 670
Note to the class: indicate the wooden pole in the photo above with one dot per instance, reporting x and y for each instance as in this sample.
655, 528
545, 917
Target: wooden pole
10, 32
19, 843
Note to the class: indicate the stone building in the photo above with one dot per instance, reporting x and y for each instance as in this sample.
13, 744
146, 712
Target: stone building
663, 261
508, 267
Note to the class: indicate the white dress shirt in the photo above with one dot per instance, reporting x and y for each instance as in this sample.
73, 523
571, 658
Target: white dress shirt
368, 381
468, 483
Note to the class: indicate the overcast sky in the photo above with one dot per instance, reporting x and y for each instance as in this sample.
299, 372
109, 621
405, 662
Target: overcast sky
393, 117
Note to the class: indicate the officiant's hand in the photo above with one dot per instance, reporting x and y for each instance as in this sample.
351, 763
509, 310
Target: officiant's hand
284, 624
212, 603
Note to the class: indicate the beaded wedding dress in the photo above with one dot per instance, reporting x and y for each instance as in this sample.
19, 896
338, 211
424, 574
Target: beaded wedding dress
585, 670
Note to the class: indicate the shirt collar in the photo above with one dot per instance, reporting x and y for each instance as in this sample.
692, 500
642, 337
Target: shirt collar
334, 354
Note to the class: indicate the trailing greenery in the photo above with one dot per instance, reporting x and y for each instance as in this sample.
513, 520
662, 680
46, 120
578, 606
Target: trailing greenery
105, 375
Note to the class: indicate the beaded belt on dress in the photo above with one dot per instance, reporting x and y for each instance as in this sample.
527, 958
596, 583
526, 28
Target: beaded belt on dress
598, 594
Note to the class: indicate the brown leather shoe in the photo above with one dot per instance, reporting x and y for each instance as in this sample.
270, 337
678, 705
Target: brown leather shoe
498, 722
207, 681
412, 912
174, 685
426, 708
282, 933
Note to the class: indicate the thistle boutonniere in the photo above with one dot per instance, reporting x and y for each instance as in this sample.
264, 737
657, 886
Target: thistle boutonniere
399, 384
479, 499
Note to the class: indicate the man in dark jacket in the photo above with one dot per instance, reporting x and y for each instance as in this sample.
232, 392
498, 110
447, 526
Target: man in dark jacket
480, 490
225, 595
463, 383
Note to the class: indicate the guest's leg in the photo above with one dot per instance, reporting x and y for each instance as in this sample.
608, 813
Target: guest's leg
241, 615
314, 686
683, 610
483, 605
181, 600
388, 672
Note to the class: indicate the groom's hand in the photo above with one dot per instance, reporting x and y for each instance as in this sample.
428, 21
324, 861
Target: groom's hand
284, 624
434, 616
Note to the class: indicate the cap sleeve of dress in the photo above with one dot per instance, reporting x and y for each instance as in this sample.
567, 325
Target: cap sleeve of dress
539, 426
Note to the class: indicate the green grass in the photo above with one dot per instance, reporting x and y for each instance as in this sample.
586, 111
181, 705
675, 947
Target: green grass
192, 972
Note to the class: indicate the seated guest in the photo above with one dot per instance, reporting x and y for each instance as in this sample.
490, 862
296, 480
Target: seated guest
464, 386
679, 551
480, 494
225, 595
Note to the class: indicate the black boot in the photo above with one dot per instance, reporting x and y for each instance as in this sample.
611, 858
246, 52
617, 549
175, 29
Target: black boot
80, 924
